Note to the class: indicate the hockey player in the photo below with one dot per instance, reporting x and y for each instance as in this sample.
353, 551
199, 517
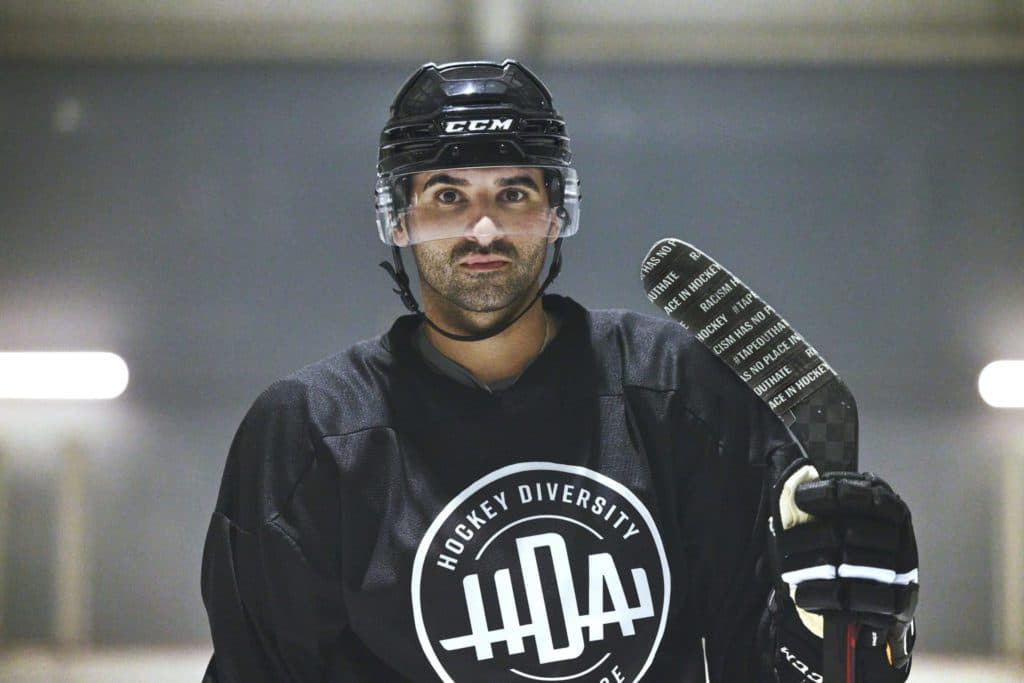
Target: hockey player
507, 486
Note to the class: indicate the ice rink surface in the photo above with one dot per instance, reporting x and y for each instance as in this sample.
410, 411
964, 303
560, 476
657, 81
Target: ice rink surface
187, 665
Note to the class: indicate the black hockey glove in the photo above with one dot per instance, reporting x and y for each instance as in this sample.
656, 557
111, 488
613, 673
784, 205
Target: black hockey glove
843, 542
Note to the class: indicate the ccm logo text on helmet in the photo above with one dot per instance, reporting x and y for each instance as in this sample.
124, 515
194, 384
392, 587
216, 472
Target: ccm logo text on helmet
477, 125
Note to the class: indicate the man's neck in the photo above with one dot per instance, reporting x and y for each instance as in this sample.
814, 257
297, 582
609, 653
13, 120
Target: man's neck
499, 357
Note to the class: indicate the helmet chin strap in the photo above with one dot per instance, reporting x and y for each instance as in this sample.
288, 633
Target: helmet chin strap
401, 278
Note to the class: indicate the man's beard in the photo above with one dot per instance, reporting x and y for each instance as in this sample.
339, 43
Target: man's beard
481, 292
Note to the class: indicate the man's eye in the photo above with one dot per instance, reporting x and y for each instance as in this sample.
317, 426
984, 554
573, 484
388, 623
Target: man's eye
513, 195
447, 196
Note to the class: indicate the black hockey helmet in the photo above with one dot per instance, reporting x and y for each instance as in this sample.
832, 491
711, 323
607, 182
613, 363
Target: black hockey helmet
469, 115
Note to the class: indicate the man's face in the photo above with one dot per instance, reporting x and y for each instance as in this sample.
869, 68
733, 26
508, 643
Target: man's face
480, 235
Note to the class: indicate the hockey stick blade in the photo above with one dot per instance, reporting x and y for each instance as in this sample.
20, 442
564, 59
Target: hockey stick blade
776, 363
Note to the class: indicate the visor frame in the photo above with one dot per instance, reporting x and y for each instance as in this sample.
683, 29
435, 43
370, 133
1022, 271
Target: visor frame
391, 199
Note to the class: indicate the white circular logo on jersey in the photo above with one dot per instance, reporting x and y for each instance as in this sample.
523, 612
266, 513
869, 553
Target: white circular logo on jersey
541, 572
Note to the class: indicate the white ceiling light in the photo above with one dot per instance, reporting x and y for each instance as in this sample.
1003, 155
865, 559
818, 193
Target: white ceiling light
62, 375
1001, 384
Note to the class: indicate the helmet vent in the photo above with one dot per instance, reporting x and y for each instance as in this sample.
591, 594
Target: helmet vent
457, 73
410, 132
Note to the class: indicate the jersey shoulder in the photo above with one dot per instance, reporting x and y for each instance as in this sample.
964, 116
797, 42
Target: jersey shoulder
656, 353
338, 394
277, 440
652, 354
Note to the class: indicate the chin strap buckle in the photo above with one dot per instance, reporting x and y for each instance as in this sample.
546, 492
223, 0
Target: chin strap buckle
401, 278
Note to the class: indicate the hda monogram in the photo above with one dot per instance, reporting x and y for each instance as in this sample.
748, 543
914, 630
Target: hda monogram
543, 571
602, 575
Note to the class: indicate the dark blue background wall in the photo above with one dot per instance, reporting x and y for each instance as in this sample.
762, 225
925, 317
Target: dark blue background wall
214, 226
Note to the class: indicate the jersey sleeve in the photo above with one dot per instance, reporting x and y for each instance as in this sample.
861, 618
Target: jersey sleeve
725, 515
270, 562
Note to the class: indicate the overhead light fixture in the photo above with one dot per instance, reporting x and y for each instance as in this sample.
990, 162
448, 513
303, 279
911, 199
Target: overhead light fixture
62, 375
1001, 384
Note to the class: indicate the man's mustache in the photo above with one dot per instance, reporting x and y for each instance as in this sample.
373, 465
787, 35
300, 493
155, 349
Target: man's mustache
497, 248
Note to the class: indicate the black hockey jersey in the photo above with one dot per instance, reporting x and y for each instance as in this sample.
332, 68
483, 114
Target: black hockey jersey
378, 521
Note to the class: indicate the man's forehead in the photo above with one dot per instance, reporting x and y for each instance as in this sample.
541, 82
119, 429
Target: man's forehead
480, 176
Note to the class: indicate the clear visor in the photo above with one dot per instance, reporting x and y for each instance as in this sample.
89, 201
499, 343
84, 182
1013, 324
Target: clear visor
490, 202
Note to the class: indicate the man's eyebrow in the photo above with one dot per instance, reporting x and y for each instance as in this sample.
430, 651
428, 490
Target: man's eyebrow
444, 178
523, 180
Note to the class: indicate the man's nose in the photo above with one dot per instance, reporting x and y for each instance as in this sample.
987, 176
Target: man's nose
484, 231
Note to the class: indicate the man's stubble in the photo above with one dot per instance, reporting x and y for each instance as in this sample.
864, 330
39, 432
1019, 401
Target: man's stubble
481, 292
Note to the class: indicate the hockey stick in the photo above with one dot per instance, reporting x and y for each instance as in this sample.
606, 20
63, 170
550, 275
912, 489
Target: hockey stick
777, 364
